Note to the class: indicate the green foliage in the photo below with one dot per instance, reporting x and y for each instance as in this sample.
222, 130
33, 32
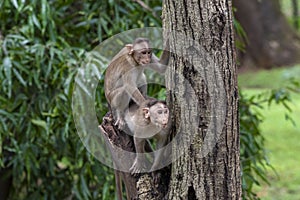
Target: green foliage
291, 11
253, 154
42, 45
282, 142
242, 38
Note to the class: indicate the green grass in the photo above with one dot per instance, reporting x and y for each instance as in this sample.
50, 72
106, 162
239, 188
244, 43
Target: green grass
275, 78
282, 137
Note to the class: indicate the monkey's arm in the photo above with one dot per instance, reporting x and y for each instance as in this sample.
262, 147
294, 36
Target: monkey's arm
131, 88
162, 139
160, 65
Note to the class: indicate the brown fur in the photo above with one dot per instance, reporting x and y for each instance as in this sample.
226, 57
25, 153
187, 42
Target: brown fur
125, 79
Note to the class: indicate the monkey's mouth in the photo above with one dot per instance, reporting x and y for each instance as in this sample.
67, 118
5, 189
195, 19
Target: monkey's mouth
159, 125
145, 63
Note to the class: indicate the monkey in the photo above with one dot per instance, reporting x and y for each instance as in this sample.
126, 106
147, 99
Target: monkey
125, 79
150, 120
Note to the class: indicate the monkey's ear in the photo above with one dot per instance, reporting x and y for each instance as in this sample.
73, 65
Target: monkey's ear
146, 113
129, 48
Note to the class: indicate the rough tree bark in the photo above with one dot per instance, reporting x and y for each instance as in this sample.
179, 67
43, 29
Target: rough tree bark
271, 40
202, 90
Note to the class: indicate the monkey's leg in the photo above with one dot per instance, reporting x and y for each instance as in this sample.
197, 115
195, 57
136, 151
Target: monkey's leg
119, 103
142, 85
159, 153
143, 90
138, 164
159, 157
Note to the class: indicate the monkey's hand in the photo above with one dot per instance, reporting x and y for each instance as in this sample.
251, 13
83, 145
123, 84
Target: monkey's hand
120, 123
137, 166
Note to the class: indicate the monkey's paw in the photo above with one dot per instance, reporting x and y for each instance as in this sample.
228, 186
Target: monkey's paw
120, 123
136, 168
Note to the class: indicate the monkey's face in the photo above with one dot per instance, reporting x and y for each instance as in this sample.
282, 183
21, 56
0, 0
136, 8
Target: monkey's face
159, 115
143, 57
142, 53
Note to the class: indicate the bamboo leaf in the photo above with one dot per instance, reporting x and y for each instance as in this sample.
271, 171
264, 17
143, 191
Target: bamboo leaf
15, 3
84, 187
7, 70
36, 21
44, 15
39, 123
19, 77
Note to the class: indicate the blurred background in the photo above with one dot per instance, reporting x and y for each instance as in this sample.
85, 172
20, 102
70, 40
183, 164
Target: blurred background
42, 46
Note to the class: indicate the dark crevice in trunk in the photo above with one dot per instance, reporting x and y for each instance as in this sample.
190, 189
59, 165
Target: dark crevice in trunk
191, 193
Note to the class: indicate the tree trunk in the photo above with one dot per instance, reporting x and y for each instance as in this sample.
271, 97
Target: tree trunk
203, 97
271, 40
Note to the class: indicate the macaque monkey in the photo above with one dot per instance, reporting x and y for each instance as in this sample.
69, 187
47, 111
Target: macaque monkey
150, 120
125, 79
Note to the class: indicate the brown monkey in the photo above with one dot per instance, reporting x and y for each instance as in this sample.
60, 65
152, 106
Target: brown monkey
125, 79
150, 120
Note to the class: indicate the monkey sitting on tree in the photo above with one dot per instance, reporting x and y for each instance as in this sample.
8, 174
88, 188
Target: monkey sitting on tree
125, 79
150, 120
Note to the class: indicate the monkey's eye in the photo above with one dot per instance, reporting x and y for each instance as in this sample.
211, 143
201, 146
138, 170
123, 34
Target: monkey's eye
160, 112
166, 112
146, 52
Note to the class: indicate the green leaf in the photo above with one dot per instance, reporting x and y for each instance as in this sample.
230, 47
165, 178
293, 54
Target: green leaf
84, 187
105, 191
36, 21
15, 3
19, 77
7, 70
5, 129
44, 15
8, 115
39, 123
